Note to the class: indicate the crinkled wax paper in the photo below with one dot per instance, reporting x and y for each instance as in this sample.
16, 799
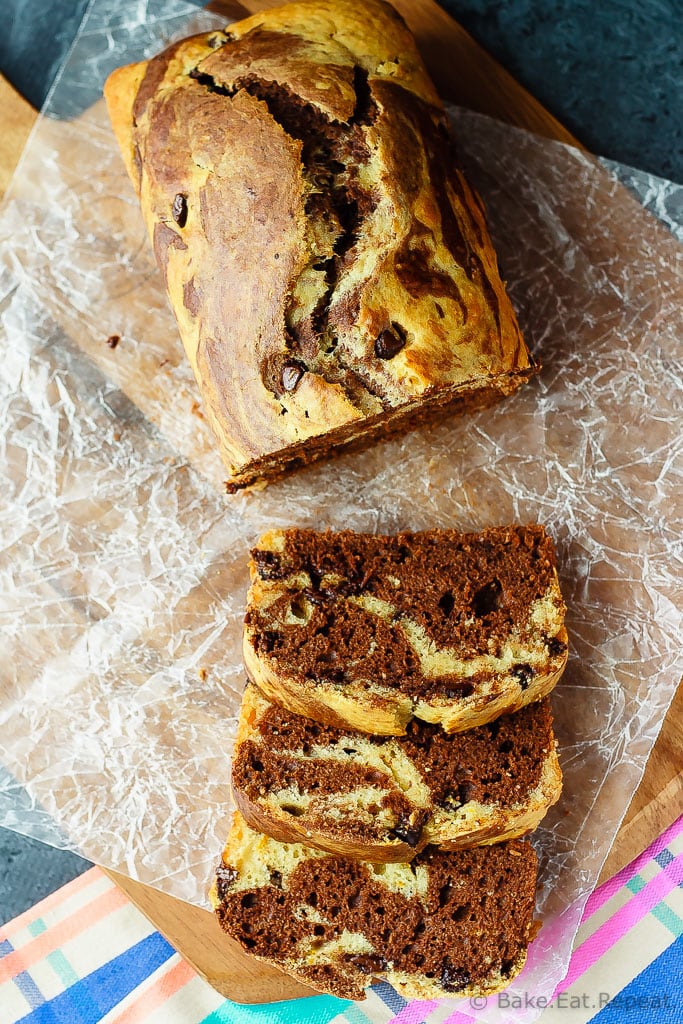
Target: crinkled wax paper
124, 566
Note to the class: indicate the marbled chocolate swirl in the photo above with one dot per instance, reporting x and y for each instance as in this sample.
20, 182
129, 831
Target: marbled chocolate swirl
329, 267
385, 798
453, 924
370, 632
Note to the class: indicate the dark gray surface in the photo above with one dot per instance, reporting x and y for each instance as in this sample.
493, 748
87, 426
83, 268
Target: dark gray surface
29, 871
612, 72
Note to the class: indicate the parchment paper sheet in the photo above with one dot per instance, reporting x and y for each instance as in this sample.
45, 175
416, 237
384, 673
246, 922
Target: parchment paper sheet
123, 566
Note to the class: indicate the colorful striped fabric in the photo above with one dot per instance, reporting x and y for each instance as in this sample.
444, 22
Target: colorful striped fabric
85, 955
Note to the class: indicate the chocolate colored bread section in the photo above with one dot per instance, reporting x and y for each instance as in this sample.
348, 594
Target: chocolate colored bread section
447, 924
368, 632
385, 798
328, 265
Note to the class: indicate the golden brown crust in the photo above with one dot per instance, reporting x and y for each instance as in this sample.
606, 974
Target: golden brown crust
332, 268
510, 823
288, 829
355, 707
384, 712
504, 824
292, 831
120, 91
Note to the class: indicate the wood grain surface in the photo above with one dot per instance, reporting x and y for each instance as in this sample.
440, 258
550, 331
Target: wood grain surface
16, 121
465, 74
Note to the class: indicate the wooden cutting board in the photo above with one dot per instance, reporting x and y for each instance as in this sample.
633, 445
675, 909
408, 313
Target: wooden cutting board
465, 74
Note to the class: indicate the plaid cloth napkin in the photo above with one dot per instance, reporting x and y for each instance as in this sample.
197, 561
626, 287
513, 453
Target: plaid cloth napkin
85, 955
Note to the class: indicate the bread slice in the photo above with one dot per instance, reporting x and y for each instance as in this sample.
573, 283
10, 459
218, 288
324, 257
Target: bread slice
385, 798
447, 924
366, 632
329, 267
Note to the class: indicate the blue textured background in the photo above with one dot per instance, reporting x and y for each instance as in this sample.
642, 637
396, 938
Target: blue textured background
611, 71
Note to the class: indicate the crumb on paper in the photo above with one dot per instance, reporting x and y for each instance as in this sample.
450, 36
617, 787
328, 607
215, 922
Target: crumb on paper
113, 340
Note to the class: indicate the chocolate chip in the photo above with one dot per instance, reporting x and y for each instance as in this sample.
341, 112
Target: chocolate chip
390, 342
493, 728
403, 554
337, 676
506, 967
366, 962
113, 340
179, 210
459, 796
523, 674
267, 641
408, 831
487, 599
555, 646
463, 689
290, 375
347, 588
315, 574
453, 979
268, 564
467, 791
276, 879
225, 876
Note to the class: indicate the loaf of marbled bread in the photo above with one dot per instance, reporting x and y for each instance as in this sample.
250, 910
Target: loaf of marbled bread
328, 265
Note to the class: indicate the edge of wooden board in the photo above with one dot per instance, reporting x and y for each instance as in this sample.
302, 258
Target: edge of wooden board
17, 118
